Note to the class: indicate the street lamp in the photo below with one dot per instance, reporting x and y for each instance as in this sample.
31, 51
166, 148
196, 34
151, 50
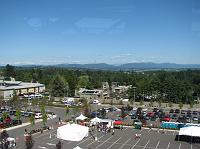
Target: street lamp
66, 88
134, 96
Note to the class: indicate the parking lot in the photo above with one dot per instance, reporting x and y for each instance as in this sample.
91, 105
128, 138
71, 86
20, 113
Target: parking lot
122, 139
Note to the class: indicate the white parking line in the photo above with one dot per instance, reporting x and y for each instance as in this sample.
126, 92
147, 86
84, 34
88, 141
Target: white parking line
45, 134
124, 143
84, 140
149, 130
180, 146
114, 143
95, 141
53, 139
135, 144
157, 144
51, 144
42, 147
191, 145
146, 144
168, 145
173, 132
104, 142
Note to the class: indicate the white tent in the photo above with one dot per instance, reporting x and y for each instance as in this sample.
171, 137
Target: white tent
96, 119
72, 132
193, 131
77, 147
108, 121
81, 117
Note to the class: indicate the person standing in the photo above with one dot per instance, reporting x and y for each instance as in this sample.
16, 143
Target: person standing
59, 145
113, 132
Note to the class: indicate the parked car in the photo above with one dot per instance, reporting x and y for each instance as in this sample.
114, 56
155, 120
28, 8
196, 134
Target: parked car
38, 115
133, 116
177, 111
195, 118
183, 111
95, 101
16, 122
195, 112
171, 111
167, 119
132, 113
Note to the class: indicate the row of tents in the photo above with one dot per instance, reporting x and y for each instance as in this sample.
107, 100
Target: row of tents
76, 132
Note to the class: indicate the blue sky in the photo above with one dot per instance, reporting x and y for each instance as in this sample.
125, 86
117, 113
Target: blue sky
99, 31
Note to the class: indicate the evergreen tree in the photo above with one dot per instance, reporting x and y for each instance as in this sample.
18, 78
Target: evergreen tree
58, 86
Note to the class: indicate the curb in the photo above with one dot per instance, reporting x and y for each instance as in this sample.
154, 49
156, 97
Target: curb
26, 124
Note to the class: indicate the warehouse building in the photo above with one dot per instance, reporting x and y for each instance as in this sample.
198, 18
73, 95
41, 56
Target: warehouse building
8, 88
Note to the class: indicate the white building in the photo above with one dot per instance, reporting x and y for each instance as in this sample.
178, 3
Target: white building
7, 88
89, 93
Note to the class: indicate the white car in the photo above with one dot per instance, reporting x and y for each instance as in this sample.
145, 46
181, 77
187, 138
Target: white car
95, 102
38, 115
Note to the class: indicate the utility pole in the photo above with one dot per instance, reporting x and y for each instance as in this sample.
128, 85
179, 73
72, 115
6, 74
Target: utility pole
134, 96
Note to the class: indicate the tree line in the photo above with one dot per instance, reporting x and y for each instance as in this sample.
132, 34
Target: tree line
166, 86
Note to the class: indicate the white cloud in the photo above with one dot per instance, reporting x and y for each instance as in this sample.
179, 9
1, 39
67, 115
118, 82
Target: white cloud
53, 19
34, 22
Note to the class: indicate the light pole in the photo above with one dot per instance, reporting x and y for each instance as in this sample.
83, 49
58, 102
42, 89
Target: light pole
96, 138
66, 88
134, 96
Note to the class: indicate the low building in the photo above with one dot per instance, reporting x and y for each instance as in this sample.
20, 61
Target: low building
90, 93
8, 88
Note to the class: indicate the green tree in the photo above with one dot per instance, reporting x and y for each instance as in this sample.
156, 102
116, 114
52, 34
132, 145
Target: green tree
66, 111
122, 112
34, 103
180, 105
18, 114
44, 114
25, 104
191, 104
151, 103
83, 82
32, 119
141, 102
10, 71
86, 108
58, 86
4, 115
170, 104
159, 103
15, 99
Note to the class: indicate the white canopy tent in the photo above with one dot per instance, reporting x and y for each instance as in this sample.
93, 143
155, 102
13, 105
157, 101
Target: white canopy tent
108, 121
193, 131
72, 132
81, 117
77, 147
95, 120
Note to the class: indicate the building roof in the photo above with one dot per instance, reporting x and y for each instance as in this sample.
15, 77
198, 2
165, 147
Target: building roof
11, 85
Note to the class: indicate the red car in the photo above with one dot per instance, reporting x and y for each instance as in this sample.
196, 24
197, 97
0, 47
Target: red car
150, 114
167, 119
118, 122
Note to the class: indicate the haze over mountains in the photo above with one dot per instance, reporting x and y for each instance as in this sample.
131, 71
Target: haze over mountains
131, 66
122, 67
127, 66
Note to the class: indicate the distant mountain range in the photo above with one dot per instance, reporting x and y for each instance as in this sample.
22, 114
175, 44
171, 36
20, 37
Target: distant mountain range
124, 67
131, 66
